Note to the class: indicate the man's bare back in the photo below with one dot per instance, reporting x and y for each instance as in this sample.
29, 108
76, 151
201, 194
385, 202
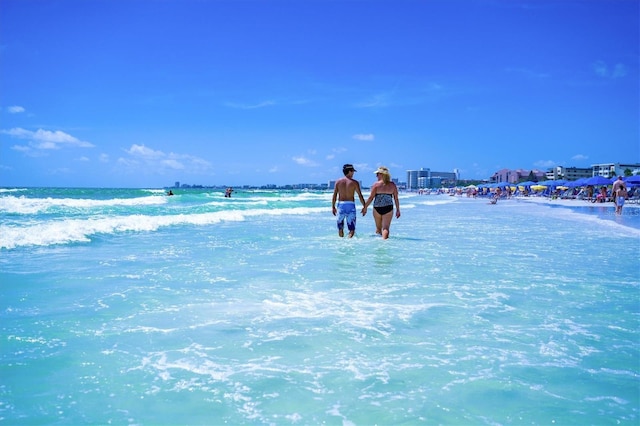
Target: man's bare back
346, 189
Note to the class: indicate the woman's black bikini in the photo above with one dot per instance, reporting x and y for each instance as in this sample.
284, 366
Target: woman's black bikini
383, 203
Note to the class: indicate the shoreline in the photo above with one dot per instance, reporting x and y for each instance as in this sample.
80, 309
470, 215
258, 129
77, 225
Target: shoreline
571, 203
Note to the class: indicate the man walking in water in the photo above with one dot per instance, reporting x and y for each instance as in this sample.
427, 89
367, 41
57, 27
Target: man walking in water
344, 192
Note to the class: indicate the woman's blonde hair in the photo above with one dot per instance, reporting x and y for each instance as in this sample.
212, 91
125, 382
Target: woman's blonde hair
386, 176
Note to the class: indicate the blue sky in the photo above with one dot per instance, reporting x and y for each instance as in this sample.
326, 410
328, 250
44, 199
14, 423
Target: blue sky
143, 93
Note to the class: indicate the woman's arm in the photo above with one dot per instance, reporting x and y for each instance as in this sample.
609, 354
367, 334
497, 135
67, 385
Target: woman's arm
397, 200
374, 190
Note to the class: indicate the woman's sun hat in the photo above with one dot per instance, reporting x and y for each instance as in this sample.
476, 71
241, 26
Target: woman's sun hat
382, 170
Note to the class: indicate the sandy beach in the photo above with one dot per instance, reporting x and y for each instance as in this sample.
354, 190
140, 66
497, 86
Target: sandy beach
569, 202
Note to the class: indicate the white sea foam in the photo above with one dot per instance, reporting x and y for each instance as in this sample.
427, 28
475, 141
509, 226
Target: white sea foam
3, 190
80, 230
24, 205
598, 224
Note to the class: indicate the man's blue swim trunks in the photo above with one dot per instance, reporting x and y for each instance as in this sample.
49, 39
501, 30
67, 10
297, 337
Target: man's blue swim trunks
347, 210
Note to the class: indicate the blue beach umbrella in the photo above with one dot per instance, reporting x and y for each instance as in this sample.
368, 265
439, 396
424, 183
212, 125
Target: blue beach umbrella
632, 179
576, 183
597, 180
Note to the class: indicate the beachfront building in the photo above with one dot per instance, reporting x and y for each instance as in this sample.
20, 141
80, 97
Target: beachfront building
569, 173
515, 176
610, 170
425, 178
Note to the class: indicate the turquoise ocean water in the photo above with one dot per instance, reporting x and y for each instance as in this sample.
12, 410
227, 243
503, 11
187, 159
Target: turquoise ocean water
125, 306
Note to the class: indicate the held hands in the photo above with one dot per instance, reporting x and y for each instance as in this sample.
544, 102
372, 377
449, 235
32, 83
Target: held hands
398, 213
364, 210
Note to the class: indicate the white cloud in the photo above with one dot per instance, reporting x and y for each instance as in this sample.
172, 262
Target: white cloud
619, 71
46, 139
159, 162
104, 158
15, 109
303, 161
579, 157
83, 158
144, 152
173, 164
127, 162
274, 169
602, 69
364, 137
21, 148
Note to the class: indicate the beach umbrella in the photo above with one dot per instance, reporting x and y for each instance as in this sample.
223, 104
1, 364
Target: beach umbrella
575, 183
632, 179
538, 187
553, 182
597, 180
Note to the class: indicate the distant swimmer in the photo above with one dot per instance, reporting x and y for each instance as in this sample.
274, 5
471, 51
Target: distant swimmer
344, 192
227, 193
170, 192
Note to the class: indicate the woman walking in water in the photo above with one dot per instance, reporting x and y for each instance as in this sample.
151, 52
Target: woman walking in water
384, 194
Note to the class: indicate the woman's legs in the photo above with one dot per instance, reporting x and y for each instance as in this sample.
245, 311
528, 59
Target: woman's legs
386, 224
378, 219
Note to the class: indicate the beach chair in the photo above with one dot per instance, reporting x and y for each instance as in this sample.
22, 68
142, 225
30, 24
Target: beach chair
634, 196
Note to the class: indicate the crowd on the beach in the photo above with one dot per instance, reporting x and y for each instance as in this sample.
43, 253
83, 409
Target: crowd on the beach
619, 190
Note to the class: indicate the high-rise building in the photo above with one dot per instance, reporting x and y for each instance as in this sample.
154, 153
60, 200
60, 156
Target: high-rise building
425, 178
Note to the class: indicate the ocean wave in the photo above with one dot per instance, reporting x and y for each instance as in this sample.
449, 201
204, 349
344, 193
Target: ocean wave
24, 205
2, 190
81, 230
437, 201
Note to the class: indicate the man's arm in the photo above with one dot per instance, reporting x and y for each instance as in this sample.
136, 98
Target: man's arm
359, 191
333, 200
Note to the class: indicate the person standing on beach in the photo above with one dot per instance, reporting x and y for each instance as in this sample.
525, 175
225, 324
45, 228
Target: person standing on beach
344, 192
619, 196
384, 193
619, 183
